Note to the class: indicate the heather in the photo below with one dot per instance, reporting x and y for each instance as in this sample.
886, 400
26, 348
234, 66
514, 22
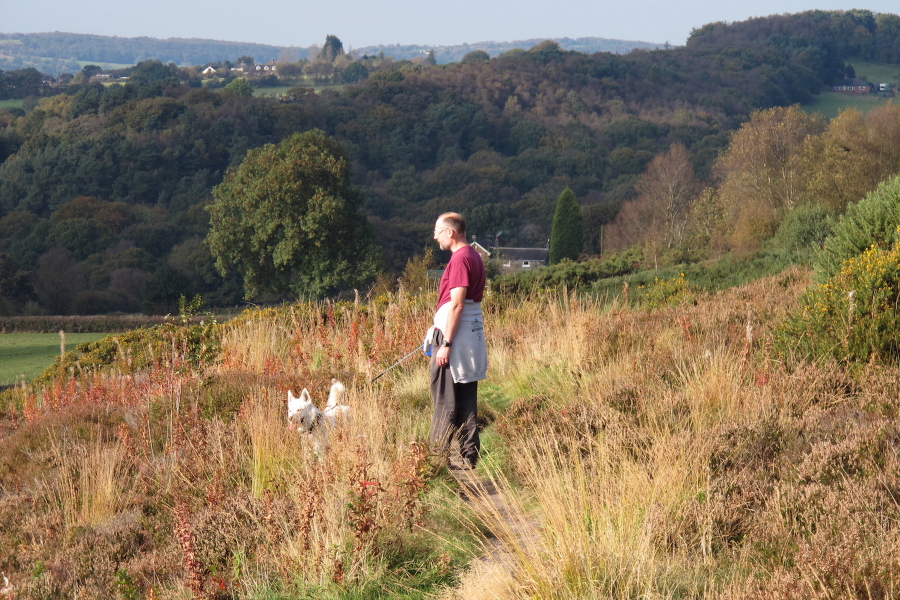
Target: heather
661, 448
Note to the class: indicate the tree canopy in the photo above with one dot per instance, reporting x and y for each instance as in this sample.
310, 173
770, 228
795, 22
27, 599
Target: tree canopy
288, 220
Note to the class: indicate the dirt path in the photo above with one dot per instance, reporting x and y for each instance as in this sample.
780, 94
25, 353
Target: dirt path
511, 528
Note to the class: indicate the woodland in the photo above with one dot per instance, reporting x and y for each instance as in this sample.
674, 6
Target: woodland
103, 188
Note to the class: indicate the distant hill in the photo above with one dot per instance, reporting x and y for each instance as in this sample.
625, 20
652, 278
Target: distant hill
60, 52
448, 54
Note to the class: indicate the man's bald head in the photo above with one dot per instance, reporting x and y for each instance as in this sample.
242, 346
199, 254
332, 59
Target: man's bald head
454, 221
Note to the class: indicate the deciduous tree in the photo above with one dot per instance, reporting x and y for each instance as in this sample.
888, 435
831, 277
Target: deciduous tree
763, 171
288, 220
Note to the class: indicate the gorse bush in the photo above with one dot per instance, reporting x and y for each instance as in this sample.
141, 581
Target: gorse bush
665, 292
854, 316
871, 221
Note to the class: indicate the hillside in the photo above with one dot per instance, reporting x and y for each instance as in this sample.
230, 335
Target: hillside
648, 452
108, 183
60, 52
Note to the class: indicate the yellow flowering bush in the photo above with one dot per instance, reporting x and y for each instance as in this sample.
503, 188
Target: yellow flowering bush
665, 292
854, 316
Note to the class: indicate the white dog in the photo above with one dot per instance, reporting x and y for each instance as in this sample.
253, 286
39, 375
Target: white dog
306, 418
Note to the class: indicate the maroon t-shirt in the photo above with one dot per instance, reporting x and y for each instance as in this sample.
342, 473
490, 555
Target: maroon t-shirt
465, 269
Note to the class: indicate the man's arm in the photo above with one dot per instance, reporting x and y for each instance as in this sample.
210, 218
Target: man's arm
457, 302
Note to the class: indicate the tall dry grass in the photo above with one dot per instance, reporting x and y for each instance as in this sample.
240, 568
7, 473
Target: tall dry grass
667, 454
638, 453
183, 480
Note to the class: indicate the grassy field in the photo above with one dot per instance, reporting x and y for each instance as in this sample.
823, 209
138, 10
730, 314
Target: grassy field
830, 104
283, 89
10, 104
104, 65
31, 353
876, 72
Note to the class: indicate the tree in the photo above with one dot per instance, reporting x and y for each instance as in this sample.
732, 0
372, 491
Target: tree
430, 60
854, 155
163, 290
332, 49
240, 87
15, 284
567, 235
354, 72
57, 280
668, 188
476, 56
764, 173
764, 159
90, 70
287, 219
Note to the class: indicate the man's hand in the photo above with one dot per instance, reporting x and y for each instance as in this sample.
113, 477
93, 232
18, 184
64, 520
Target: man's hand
442, 358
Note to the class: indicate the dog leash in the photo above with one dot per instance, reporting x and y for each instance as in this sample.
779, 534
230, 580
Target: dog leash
417, 348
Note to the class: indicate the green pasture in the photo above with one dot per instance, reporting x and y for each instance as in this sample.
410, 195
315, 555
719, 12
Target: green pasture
103, 65
876, 72
10, 104
30, 353
830, 104
10, 42
274, 92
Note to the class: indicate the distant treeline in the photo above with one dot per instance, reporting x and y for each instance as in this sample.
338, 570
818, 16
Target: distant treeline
57, 52
455, 53
102, 188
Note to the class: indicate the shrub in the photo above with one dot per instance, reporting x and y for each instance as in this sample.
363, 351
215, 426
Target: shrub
665, 292
568, 273
854, 316
871, 221
803, 230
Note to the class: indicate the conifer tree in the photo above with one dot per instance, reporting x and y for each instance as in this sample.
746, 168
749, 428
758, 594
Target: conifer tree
567, 235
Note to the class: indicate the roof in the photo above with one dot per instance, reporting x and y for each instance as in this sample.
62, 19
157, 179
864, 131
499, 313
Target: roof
522, 253
854, 81
478, 246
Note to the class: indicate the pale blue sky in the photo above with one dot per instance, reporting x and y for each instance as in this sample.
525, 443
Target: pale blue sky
370, 22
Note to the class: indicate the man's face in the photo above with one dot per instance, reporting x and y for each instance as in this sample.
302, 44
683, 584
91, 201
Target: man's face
442, 235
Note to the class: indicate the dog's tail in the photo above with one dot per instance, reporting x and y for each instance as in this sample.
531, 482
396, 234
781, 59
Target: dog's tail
336, 394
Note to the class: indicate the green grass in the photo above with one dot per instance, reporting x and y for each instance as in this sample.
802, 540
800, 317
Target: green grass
283, 89
876, 72
104, 65
30, 353
10, 42
272, 91
830, 104
10, 104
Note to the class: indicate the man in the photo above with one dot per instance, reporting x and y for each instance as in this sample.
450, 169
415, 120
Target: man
459, 353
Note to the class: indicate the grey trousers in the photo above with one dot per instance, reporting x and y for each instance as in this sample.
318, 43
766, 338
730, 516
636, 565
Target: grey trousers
455, 411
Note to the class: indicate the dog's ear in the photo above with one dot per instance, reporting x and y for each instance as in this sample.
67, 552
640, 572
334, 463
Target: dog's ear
304, 395
292, 403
